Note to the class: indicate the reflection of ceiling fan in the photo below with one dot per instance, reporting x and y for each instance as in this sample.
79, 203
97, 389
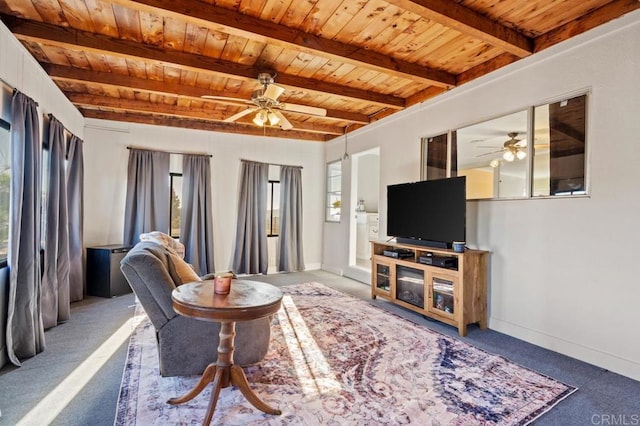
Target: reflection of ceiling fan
511, 149
265, 103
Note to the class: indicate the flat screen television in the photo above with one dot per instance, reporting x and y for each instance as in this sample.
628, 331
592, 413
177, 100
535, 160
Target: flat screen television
430, 212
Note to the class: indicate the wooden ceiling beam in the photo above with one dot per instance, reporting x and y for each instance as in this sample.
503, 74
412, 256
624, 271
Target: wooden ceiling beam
467, 21
69, 38
229, 21
484, 68
158, 120
596, 17
64, 73
119, 104
426, 94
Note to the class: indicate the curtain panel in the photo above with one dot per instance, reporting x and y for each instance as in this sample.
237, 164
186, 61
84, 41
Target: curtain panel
75, 204
55, 279
250, 253
147, 202
196, 216
289, 255
25, 330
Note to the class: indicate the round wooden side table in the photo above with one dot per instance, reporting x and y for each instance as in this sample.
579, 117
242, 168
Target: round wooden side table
247, 300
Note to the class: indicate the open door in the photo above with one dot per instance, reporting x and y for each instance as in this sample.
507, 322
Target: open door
363, 212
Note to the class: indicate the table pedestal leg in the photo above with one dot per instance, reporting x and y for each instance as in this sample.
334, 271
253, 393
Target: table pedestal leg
207, 377
239, 380
223, 374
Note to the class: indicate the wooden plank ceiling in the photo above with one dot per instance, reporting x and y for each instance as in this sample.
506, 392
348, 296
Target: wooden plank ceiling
152, 61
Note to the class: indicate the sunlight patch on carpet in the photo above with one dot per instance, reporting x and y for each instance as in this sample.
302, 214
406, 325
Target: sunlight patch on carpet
314, 372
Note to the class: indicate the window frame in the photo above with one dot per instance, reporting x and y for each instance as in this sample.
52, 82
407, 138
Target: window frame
328, 193
171, 176
5, 125
529, 173
271, 184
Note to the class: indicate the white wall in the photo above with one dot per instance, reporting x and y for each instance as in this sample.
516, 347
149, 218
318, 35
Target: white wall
106, 159
562, 272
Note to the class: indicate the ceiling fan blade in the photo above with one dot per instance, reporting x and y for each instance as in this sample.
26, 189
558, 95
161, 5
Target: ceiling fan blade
284, 123
488, 153
226, 99
240, 114
273, 91
304, 109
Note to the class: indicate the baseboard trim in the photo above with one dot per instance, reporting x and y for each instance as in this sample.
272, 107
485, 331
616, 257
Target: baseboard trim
590, 355
331, 269
313, 267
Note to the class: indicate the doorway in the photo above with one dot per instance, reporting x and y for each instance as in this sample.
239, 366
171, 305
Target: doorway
363, 211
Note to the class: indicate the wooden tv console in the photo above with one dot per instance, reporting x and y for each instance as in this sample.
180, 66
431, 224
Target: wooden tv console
453, 295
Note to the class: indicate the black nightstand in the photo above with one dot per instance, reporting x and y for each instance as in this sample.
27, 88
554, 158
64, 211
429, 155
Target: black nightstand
104, 277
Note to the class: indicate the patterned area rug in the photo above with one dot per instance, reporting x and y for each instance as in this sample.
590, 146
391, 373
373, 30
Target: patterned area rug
337, 360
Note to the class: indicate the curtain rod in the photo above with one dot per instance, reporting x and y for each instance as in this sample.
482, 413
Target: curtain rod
271, 164
50, 115
6, 83
171, 152
14, 88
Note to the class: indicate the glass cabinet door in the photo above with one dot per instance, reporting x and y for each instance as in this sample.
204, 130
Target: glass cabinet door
442, 295
383, 277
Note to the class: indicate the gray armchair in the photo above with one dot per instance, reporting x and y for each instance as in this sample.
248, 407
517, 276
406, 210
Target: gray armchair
185, 345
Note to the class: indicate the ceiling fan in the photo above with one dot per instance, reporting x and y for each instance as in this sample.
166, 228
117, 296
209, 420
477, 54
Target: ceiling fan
264, 102
512, 149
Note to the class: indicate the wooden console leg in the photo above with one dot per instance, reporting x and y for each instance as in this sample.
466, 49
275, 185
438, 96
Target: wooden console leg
462, 330
207, 377
240, 380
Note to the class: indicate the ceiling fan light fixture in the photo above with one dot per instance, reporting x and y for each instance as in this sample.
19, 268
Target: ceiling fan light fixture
521, 154
509, 156
260, 118
273, 118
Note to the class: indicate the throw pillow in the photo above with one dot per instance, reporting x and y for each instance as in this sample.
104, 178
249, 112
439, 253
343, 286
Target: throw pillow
181, 272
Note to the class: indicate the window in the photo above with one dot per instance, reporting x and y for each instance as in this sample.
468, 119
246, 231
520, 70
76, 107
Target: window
175, 204
559, 151
537, 152
5, 189
273, 208
44, 168
334, 191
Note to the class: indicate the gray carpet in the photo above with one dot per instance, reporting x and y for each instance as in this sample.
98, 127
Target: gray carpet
601, 393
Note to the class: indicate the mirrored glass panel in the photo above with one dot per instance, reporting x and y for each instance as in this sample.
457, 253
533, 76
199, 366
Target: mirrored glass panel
434, 157
493, 157
559, 160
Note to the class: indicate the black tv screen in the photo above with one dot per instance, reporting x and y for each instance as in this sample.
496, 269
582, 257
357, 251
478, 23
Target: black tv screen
431, 212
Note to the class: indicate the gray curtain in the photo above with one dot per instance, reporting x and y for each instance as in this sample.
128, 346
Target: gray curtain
289, 255
25, 332
147, 203
196, 216
55, 280
75, 204
250, 254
